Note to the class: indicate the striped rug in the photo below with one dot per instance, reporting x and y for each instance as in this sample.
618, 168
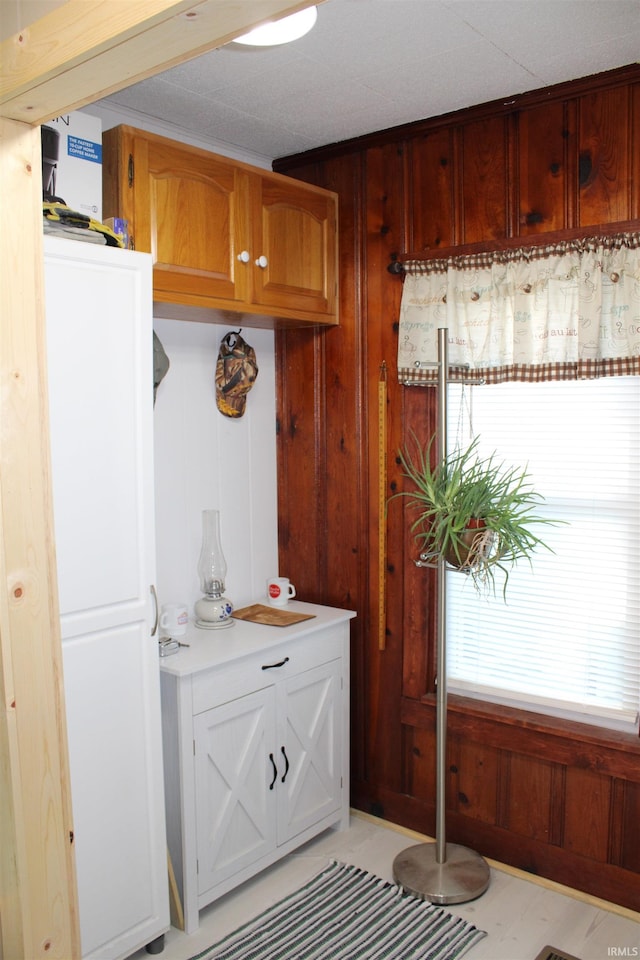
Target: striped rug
345, 913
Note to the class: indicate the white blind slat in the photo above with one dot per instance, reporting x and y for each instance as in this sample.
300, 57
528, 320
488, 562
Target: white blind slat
568, 639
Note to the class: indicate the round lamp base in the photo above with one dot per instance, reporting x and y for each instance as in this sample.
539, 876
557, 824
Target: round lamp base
216, 625
463, 876
212, 613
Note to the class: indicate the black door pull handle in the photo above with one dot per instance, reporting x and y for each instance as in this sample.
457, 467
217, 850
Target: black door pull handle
286, 760
275, 771
273, 666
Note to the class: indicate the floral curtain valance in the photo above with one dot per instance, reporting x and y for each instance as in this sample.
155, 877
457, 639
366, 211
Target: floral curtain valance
562, 312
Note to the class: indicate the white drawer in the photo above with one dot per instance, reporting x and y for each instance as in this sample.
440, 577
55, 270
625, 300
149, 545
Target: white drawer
232, 680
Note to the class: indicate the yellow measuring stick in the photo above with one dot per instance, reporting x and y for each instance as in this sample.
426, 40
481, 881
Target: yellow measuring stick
382, 504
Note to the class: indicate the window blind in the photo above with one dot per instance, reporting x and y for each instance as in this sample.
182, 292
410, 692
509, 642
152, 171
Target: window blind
567, 641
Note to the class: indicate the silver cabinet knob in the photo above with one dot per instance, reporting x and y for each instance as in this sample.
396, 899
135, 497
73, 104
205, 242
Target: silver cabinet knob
244, 257
262, 262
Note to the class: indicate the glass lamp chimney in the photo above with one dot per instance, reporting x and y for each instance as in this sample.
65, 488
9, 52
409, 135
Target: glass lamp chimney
213, 610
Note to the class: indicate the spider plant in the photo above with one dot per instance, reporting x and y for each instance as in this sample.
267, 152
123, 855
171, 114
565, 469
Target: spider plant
475, 512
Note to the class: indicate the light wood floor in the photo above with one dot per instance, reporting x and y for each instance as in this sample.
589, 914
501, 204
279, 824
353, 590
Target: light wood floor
520, 914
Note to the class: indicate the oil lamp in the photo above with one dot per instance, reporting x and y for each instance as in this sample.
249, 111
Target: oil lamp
213, 610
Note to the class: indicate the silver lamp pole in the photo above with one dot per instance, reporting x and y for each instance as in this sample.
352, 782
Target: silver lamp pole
441, 872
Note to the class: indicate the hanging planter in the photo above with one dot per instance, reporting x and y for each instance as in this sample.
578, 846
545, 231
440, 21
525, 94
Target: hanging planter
474, 545
475, 513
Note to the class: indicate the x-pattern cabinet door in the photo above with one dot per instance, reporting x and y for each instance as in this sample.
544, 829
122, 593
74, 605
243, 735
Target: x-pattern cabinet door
235, 807
309, 748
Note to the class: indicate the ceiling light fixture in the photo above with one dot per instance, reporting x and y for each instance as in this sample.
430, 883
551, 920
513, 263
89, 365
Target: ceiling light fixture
281, 31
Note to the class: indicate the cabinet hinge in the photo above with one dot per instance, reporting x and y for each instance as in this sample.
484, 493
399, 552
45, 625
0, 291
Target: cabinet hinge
194, 748
131, 170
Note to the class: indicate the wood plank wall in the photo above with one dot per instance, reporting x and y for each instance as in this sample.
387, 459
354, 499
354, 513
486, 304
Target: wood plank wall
558, 799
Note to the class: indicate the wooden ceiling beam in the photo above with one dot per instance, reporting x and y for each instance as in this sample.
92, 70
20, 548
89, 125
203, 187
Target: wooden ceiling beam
81, 52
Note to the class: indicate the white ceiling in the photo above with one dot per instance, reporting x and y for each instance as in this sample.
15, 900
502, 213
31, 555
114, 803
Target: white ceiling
372, 64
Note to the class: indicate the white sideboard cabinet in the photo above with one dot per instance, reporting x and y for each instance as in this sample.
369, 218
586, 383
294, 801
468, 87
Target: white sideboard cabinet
99, 358
255, 725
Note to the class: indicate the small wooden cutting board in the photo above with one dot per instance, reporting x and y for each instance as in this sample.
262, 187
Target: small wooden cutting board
272, 616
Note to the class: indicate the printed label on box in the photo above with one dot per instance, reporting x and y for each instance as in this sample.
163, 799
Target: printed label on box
84, 149
74, 168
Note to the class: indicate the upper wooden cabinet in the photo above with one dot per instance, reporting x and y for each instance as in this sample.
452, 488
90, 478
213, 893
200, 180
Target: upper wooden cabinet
222, 234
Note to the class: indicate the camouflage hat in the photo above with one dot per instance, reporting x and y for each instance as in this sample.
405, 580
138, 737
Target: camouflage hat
236, 371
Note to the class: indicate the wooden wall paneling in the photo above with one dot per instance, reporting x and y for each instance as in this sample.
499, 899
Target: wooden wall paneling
529, 790
474, 772
557, 805
634, 138
420, 771
571, 198
302, 508
419, 583
533, 855
384, 233
430, 191
344, 383
338, 479
630, 847
616, 824
604, 147
543, 148
504, 106
528, 809
546, 860
344, 175
587, 813
572, 744
345, 465
484, 180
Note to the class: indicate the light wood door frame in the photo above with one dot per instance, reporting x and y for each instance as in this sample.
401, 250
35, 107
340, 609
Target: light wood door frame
71, 57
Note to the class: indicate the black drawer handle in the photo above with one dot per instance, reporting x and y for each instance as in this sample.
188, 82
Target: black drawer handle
286, 760
275, 771
272, 666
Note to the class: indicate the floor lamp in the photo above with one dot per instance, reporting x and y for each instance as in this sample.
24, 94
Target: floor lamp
441, 872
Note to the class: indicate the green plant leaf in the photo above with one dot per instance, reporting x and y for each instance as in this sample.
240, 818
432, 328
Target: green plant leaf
463, 488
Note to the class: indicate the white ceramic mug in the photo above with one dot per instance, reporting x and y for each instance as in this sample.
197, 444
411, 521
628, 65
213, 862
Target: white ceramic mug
280, 591
174, 618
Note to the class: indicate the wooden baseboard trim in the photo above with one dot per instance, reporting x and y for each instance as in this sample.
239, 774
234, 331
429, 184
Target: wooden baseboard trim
512, 871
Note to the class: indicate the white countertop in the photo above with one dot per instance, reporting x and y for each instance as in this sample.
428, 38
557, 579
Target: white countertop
213, 647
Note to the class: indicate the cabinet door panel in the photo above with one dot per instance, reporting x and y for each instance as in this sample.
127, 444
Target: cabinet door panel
310, 737
235, 807
112, 794
100, 492
99, 348
190, 215
296, 231
197, 213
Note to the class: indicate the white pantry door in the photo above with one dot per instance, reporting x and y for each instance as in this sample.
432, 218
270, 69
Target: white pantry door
99, 347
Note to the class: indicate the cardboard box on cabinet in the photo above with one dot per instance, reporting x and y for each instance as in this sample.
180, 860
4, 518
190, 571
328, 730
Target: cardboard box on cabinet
72, 162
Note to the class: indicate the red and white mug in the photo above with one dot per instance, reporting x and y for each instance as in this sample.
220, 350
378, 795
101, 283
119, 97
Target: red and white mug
280, 591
